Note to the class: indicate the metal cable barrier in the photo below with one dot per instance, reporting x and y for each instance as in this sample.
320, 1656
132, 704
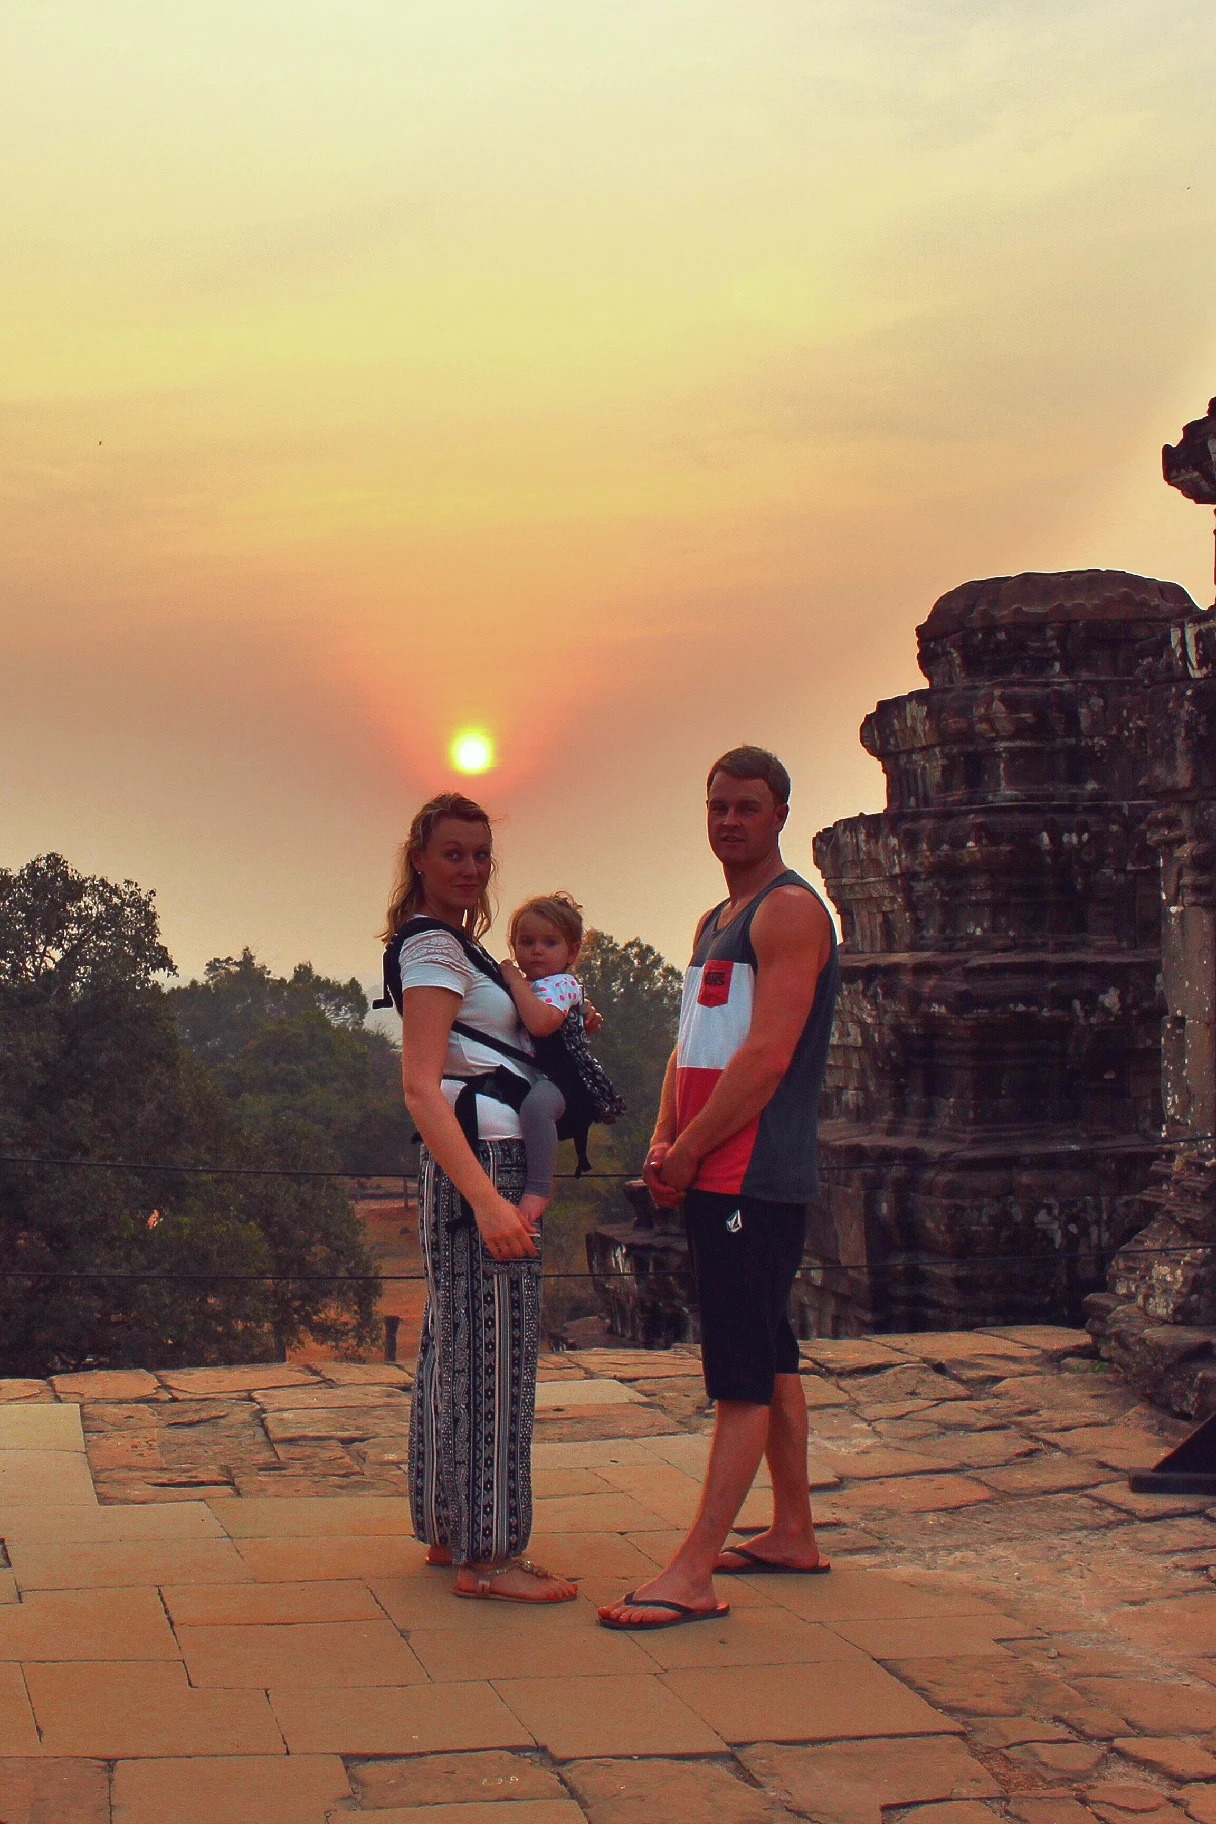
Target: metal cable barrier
902, 1264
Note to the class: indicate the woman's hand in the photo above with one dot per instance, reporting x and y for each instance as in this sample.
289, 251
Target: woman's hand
593, 1019
503, 1229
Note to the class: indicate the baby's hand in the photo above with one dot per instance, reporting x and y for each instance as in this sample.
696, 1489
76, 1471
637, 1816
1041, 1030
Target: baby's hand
512, 971
593, 1019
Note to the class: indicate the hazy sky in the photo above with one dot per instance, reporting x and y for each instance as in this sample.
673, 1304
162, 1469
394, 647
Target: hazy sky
626, 379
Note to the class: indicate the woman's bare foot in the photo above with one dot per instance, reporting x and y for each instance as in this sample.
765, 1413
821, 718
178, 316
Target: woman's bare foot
438, 1554
532, 1208
515, 1580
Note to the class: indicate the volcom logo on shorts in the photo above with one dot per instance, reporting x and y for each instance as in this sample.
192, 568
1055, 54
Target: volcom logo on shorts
734, 1223
715, 984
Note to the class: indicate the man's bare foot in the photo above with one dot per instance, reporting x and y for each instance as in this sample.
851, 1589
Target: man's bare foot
532, 1208
669, 1586
438, 1554
517, 1580
796, 1550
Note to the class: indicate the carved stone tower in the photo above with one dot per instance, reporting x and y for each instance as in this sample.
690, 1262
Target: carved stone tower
993, 1101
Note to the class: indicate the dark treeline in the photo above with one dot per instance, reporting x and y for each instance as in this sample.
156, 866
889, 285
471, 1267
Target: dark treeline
95, 1063
100, 1061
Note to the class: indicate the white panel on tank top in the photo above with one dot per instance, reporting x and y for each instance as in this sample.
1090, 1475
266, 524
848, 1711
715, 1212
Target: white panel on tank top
710, 1035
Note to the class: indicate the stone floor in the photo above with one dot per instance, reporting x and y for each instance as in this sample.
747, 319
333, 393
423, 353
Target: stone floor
212, 1610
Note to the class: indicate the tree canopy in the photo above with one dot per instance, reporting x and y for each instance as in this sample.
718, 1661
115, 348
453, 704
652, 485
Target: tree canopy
115, 1266
296, 1049
638, 993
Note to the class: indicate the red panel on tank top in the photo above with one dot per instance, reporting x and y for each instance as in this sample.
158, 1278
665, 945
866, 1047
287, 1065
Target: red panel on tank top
723, 1169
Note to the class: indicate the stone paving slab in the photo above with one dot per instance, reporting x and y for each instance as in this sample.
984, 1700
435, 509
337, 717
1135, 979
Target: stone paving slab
237, 1789
54, 1792
121, 1712
424, 1719
454, 1779
552, 1396
843, 1780
18, 1730
124, 1563
620, 1715
798, 1704
108, 1525
452, 1654
33, 1478
106, 1384
1007, 1636
678, 1792
68, 1625
41, 1428
329, 1655
527, 1811
263, 1604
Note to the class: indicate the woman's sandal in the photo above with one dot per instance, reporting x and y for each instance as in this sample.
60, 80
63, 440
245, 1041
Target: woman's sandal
485, 1591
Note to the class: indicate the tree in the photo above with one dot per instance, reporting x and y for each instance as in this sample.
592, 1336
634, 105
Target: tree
116, 1266
638, 993
298, 1047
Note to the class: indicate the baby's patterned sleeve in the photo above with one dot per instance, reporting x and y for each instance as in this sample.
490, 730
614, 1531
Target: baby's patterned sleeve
560, 991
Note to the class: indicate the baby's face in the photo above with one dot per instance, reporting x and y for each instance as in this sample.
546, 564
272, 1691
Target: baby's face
540, 948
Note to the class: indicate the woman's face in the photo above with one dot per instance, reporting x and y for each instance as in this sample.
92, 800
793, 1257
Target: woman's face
455, 865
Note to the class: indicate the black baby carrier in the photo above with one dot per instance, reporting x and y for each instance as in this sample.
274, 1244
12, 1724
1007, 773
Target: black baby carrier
564, 1056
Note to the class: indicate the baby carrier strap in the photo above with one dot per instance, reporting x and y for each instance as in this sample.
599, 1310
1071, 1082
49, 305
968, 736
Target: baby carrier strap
413, 927
499, 1045
500, 1085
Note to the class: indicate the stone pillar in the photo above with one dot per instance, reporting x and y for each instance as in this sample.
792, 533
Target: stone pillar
641, 1271
993, 1102
1157, 1319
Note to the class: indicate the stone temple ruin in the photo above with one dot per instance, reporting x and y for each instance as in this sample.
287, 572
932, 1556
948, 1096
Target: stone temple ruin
993, 1105
1157, 1320
993, 1117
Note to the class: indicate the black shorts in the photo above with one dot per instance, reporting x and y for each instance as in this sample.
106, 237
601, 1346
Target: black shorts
745, 1254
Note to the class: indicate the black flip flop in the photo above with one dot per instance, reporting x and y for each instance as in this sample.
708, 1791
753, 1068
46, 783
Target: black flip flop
767, 1567
681, 1614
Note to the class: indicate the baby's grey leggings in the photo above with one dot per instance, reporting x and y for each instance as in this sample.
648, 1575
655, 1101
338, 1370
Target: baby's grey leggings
543, 1107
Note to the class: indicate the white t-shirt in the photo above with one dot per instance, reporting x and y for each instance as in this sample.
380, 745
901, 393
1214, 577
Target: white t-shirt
560, 991
433, 959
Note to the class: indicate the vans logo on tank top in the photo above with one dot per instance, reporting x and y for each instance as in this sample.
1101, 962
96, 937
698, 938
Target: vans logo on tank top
715, 984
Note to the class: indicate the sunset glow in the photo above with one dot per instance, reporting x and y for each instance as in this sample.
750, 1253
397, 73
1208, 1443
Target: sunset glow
626, 380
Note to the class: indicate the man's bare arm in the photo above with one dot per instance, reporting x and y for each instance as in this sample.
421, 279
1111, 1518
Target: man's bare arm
792, 940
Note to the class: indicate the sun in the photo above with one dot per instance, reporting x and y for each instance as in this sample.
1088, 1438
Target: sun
472, 751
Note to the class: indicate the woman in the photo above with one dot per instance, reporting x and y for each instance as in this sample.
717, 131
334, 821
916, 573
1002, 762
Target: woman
475, 1390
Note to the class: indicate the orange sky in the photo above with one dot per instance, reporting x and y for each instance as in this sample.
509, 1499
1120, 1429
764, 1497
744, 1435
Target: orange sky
627, 380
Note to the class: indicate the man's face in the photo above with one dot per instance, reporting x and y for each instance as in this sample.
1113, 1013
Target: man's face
744, 820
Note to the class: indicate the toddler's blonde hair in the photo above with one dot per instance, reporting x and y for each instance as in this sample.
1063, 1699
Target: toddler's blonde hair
558, 909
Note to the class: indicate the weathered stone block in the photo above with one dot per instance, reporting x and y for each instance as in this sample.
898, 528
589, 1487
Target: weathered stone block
992, 1107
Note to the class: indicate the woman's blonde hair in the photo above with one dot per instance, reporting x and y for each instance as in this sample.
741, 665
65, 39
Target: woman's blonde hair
409, 889
560, 910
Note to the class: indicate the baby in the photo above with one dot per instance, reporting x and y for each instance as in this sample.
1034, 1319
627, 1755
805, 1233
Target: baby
545, 935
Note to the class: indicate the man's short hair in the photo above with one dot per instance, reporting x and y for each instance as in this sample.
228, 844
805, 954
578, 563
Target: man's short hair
754, 763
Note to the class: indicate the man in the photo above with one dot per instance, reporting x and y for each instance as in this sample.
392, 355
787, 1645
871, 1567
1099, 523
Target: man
735, 1141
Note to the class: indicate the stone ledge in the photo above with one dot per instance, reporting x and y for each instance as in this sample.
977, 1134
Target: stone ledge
1173, 1365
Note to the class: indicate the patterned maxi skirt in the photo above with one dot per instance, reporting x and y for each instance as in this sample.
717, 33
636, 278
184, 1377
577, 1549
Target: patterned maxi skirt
475, 1390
